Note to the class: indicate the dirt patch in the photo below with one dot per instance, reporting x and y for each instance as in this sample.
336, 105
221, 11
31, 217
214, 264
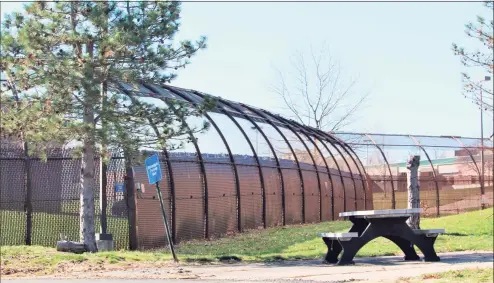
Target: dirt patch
74, 268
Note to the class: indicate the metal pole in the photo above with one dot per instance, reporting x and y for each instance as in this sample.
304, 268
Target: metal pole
168, 236
103, 201
482, 190
257, 141
28, 206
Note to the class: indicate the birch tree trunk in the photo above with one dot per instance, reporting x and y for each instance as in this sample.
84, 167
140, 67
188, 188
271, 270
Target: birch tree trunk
413, 163
87, 215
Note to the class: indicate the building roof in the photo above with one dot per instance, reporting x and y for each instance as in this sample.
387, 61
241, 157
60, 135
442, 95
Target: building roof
425, 162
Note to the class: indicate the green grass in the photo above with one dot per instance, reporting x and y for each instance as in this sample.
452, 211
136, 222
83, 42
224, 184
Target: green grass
47, 228
468, 231
269, 244
474, 275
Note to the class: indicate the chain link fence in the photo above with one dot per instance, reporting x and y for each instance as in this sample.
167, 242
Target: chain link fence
52, 194
455, 173
251, 170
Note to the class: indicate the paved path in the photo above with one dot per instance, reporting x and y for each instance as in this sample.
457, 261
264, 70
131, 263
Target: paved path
380, 269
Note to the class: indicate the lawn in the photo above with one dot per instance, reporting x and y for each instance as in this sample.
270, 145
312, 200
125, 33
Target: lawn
474, 275
47, 228
468, 231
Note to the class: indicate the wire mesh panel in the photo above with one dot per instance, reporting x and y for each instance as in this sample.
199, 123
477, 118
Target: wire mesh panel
309, 182
326, 192
189, 191
55, 187
449, 171
349, 192
274, 185
222, 196
251, 202
311, 193
12, 197
338, 196
291, 183
117, 209
293, 195
361, 192
48, 221
348, 167
251, 196
274, 213
256, 133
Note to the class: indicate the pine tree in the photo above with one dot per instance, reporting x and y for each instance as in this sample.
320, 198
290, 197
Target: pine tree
64, 62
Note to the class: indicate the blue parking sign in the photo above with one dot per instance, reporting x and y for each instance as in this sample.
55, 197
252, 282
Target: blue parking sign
119, 188
153, 169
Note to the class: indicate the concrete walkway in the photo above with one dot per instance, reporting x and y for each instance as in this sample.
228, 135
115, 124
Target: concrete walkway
380, 269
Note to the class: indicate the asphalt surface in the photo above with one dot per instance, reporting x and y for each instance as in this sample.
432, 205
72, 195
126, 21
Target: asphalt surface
377, 269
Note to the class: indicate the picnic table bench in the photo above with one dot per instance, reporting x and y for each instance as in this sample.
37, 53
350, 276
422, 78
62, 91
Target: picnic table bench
390, 224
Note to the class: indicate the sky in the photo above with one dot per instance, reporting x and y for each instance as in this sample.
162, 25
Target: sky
401, 52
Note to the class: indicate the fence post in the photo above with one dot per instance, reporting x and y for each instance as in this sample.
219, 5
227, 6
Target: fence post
131, 202
28, 206
102, 196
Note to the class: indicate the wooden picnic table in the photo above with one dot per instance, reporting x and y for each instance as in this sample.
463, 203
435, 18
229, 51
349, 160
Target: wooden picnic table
390, 224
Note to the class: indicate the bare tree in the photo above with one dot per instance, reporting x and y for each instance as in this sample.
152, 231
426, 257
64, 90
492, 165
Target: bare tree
480, 60
315, 92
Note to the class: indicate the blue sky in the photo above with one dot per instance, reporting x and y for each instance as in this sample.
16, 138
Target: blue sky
402, 52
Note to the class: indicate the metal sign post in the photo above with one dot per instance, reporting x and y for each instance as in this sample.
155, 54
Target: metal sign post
153, 170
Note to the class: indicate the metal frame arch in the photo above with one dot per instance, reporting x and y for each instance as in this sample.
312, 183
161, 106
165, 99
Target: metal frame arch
345, 146
393, 200
227, 146
309, 137
173, 199
360, 172
433, 172
323, 142
341, 175
201, 163
482, 192
315, 168
327, 169
256, 158
286, 122
289, 126
280, 173
328, 139
291, 149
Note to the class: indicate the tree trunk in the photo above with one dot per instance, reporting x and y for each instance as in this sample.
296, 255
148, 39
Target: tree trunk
131, 201
87, 225
413, 190
71, 247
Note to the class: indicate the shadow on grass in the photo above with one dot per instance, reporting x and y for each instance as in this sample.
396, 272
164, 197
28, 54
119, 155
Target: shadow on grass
456, 234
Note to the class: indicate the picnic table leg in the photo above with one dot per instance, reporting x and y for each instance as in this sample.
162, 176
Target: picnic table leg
428, 248
334, 249
425, 244
405, 246
358, 225
351, 247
